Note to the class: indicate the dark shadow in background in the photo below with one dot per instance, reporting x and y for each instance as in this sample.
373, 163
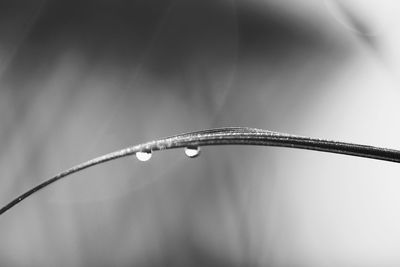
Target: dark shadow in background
119, 32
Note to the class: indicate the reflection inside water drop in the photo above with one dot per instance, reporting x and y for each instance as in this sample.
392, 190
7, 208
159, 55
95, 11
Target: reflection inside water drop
143, 155
192, 152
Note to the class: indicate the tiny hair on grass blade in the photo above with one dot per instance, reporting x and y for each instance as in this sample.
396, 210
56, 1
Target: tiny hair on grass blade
225, 136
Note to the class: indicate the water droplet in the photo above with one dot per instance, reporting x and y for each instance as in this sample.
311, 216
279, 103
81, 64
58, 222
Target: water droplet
192, 151
143, 155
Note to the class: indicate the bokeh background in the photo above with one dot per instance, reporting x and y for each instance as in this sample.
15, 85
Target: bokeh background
82, 78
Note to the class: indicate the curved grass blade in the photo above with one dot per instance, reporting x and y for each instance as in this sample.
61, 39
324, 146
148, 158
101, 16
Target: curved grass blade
226, 136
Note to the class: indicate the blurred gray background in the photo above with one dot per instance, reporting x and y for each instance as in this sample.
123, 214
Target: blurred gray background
82, 78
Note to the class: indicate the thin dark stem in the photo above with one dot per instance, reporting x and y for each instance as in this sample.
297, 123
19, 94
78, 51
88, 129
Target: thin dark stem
226, 136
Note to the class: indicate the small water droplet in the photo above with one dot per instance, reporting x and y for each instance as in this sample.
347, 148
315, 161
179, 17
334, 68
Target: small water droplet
192, 151
143, 155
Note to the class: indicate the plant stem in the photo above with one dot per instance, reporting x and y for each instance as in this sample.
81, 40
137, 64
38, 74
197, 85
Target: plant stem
226, 136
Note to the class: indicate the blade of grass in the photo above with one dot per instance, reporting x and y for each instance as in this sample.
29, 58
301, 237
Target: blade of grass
225, 136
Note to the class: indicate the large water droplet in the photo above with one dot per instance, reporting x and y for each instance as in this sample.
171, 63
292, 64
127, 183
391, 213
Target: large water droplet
143, 155
192, 151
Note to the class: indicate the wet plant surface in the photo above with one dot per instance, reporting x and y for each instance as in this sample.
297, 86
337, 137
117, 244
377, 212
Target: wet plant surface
191, 142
